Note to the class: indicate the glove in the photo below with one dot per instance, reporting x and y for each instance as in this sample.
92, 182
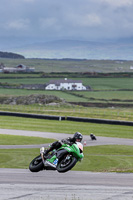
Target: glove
63, 140
66, 142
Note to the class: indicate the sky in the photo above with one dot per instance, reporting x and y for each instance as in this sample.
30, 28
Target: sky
47, 20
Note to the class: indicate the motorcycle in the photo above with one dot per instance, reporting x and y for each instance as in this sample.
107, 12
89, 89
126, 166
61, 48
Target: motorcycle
62, 159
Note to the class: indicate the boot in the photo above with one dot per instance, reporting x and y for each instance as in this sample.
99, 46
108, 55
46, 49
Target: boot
45, 154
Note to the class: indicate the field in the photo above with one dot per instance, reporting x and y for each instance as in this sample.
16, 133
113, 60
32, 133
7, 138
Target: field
114, 90
110, 98
104, 90
95, 83
67, 65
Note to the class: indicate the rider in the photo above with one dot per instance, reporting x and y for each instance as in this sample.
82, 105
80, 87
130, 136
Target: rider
56, 145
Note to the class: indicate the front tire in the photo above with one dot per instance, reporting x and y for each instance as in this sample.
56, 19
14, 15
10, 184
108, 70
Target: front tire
36, 164
66, 164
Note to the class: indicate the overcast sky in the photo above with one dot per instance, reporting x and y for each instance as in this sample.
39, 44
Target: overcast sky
66, 19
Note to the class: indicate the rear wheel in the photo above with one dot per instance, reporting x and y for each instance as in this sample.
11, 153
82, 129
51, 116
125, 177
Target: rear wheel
67, 163
36, 164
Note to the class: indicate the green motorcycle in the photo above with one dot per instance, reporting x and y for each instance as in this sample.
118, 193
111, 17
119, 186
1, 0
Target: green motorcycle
62, 159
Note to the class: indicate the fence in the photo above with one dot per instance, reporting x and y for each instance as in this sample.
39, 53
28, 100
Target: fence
60, 118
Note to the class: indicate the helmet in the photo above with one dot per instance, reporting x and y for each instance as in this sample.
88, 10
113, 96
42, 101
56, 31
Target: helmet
78, 137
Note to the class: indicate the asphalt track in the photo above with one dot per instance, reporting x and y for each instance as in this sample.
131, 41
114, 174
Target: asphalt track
59, 136
73, 185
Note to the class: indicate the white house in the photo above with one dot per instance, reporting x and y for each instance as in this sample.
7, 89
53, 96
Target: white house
65, 84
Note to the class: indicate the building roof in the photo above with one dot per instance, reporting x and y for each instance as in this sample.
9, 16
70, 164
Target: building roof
58, 82
21, 66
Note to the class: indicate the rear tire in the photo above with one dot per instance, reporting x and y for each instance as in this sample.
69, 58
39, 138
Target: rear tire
36, 164
66, 164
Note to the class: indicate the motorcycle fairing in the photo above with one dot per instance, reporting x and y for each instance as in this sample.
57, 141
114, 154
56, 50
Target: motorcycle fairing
74, 150
58, 154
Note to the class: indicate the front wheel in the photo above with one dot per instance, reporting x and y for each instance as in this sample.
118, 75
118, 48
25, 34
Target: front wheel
36, 164
67, 163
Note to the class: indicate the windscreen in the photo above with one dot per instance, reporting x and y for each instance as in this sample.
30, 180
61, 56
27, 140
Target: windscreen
80, 146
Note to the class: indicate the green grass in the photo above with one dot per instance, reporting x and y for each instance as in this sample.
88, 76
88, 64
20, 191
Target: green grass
111, 158
22, 140
116, 97
66, 127
24, 92
95, 83
71, 65
17, 158
109, 83
104, 90
112, 113
25, 80
106, 96
80, 96
19, 92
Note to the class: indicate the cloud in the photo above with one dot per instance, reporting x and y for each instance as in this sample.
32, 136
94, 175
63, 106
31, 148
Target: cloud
28, 0
118, 3
47, 22
18, 24
85, 19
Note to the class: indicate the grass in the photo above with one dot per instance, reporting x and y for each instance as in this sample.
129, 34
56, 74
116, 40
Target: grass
24, 92
106, 95
109, 83
71, 65
17, 158
112, 113
118, 91
111, 158
95, 83
22, 140
108, 158
69, 127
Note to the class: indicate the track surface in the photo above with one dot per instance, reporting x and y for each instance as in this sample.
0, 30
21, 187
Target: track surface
51, 185
59, 136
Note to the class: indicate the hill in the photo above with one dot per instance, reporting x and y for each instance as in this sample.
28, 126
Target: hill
112, 50
10, 55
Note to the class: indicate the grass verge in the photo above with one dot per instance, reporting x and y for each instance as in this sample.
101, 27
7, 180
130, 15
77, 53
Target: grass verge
22, 140
111, 158
55, 126
108, 158
72, 110
17, 158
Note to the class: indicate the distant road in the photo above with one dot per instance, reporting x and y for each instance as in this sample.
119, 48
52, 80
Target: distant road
59, 136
